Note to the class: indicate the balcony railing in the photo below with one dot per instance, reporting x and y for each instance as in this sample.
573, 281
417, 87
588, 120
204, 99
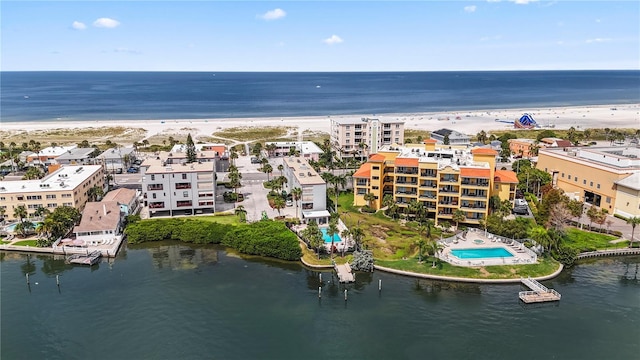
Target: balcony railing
428, 173
413, 193
156, 205
183, 203
475, 183
183, 186
154, 187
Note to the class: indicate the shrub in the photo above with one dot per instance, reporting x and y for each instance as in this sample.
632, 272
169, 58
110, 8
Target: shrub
186, 230
264, 238
367, 209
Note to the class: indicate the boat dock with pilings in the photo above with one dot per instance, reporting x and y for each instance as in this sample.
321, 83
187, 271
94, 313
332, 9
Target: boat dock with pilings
345, 274
538, 293
82, 259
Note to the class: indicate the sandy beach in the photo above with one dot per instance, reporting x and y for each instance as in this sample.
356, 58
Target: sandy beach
468, 121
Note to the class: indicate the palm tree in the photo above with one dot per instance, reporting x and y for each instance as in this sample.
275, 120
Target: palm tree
281, 169
313, 234
458, 216
233, 156
278, 203
241, 212
369, 197
345, 234
2, 212
540, 235
296, 192
332, 231
482, 137
434, 248
20, 212
24, 227
357, 235
633, 222
267, 169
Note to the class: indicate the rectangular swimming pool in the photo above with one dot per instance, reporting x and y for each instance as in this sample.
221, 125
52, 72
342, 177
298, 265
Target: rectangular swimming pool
483, 253
327, 238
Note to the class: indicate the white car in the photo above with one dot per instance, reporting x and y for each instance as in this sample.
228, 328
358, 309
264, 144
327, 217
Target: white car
520, 202
289, 203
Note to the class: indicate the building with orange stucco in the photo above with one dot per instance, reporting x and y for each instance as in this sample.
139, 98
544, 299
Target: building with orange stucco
442, 179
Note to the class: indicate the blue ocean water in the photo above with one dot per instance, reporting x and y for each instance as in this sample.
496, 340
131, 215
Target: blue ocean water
37, 96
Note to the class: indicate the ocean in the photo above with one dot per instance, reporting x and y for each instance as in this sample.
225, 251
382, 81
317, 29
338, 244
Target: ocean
43, 96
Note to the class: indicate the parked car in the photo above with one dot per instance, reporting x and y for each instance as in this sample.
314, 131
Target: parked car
289, 203
132, 170
255, 160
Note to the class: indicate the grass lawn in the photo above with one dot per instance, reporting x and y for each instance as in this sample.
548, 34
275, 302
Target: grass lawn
546, 266
590, 241
230, 219
310, 257
389, 239
26, 243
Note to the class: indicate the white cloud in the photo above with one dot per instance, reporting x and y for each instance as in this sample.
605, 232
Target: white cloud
559, 42
106, 23
597, 40
598, 20
274, 14
523, 2
470, 8
334, 39
78, 25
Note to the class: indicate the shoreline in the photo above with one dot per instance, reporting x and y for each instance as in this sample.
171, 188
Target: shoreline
466, 121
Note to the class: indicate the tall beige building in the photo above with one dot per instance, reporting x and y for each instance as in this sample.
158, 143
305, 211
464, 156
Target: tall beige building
358, 137
442, 180
607, 177
67, 186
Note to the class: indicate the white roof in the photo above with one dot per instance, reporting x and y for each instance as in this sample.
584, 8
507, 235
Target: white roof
76, 153
54, 150
632, 181
305, 147
65, 178
115, 153
316, 214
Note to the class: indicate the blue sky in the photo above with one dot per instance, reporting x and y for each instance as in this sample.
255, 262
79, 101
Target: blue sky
319, 35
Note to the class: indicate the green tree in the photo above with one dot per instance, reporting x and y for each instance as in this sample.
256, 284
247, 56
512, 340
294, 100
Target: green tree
357, 235
267, 169
20, 212
369, 198
332, 230
278, 203
313, 235
633, 221
241, 212
33, 173
482, 137
24, 228
540, 235
296, 193
434, 248
95, 193
191, 150
459, 216
446, 139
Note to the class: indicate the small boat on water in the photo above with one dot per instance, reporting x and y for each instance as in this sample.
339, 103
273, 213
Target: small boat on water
85, 259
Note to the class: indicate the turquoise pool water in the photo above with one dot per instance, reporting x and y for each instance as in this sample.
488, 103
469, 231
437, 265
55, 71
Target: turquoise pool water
481, 253
327, 238
12, 228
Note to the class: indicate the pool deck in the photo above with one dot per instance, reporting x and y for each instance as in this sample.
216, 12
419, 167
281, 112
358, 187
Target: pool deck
478, 239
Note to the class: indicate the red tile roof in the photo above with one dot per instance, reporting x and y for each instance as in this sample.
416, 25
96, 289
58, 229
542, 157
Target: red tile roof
475, 172
430, 141
411, 162
506, 176
363, 172
376, 158
484, 151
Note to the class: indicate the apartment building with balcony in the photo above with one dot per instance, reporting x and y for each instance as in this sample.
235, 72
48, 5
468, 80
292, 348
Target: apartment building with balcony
606, 177
440, 178
454, 137
178, 189
67, 186
359, 137
306, 149
313, 204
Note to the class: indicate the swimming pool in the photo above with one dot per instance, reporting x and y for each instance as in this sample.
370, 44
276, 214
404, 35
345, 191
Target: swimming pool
327, 238
12, 228
481, 253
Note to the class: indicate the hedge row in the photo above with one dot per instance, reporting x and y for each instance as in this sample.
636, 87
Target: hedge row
264, 238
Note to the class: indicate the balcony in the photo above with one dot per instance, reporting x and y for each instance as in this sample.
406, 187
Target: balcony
449, 179
407, 171
475, 195
156, 205
154, 187
449, 189
186, 203
473, 182
362, 183
428, 173
181, 186
407, 182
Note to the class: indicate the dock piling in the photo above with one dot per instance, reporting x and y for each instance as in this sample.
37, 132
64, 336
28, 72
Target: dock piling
319, 292
58, 280
27, 278
379, 284
345, 294
320, 278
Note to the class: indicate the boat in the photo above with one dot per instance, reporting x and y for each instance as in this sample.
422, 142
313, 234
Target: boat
318, 86
85, 259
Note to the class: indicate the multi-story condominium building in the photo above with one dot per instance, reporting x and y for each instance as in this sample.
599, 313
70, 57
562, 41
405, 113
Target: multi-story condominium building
307, 149
522, 147
313, 204
440, 178
178, 189
359, 137
219, 149
455, 138
67, 186
216, 153
607, 177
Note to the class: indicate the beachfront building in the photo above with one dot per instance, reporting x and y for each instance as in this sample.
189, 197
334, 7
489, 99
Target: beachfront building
441, 179
128, 199
178, 189
67, 186
307, 149
358, 137
454, 137
313, 204
117, 160
101, 221
77, 156
47, 155
522, 147
606, 177
555, 142
216, 153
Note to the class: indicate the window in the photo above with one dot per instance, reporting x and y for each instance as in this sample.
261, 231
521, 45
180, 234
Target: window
184, 176
52, 205
185, 194
569, 177
33, 206
397, 126
66, 196
52, 196
591, 183
562, 174
375, 177
347, 141
397, 132
584, 182
375, 167
598, 186
153, 177
576, 179
497, 187
397, 140
608, 200
153, 195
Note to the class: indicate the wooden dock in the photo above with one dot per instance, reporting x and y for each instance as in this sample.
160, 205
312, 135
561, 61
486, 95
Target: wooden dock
538, 293
90, 259
345, 275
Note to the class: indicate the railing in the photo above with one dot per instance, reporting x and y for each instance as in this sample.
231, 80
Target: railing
154, 187
184, 186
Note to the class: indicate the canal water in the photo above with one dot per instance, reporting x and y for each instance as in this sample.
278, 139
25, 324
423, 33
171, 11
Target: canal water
175, 301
